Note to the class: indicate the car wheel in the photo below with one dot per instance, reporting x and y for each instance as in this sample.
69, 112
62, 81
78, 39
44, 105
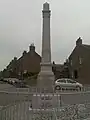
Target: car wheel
57, 88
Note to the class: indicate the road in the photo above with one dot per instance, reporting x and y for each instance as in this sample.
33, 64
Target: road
9, 93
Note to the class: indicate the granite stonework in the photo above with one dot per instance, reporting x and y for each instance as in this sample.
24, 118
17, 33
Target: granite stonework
46, 77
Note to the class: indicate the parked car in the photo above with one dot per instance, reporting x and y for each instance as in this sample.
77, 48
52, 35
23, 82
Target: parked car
20, 84
65, 84
5, 80
1, 79
12, 80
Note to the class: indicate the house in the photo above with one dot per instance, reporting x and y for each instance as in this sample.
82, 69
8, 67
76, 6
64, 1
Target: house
79, 62
60, 70
29, 63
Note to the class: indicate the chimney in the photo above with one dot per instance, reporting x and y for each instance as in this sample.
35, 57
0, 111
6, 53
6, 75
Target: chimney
24, 53
15, 58
79, 41
32, 48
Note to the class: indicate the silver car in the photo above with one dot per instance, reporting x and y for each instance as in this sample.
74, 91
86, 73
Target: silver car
67, 84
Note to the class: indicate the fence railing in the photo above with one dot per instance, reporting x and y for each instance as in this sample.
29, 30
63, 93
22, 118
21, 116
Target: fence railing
21, 110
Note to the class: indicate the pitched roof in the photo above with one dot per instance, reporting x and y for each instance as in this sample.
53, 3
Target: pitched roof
28, 53
86, 46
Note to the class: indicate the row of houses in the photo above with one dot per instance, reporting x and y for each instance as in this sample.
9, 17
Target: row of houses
77, 65
29, 62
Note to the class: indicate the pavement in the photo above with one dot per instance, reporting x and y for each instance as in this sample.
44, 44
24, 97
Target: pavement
5, 86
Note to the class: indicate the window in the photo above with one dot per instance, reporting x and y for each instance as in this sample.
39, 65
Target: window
71, 62
62, 81
71, 81
72, 74
80, 60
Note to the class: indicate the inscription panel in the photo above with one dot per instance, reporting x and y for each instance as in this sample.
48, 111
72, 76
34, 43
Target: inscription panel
45, 101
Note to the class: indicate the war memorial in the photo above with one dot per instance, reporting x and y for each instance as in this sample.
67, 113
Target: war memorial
44, 103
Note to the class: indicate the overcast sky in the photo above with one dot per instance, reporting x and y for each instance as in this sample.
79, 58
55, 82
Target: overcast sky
21, 24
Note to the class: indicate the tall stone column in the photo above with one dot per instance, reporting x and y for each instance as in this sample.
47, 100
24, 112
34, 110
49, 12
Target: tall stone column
46, 48
46, 76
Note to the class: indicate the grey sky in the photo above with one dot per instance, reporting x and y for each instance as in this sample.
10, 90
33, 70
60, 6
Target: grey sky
21, 24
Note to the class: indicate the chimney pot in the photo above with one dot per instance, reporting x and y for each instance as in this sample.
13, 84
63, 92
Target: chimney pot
32, 47
79, 41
